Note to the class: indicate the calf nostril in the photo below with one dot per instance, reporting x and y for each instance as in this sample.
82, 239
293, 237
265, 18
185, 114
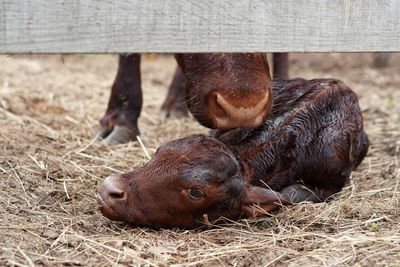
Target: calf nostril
113, 188
116, 193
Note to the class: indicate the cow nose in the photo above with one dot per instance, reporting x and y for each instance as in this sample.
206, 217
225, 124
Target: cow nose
113, 188
232, 112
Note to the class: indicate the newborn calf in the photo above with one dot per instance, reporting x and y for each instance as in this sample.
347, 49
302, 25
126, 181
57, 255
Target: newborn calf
304, 151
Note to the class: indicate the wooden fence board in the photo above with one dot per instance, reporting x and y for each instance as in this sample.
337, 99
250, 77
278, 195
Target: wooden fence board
117, 26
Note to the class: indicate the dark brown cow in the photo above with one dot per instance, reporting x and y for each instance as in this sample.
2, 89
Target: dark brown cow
222, 91
304, 151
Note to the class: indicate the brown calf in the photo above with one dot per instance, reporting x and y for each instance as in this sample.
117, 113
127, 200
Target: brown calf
304, 151
222, 91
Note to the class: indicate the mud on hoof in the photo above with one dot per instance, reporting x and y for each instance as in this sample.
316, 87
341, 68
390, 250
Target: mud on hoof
119, 134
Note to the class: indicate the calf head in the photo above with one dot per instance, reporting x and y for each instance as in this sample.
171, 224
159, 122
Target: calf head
225, 90
184, 181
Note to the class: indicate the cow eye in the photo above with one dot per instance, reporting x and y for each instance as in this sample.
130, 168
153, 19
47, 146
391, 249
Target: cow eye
195, 193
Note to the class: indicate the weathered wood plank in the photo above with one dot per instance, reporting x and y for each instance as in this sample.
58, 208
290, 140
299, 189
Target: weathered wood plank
198, 26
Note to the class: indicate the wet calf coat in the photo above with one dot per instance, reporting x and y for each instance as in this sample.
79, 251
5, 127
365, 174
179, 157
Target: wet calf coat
214, 83
304, 151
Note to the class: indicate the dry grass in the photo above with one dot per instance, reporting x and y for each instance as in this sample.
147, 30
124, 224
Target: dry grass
50, 169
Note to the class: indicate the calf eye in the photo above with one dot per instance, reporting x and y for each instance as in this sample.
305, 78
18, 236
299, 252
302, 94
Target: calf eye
195, 193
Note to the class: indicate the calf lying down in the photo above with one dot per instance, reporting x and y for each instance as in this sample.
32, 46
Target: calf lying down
304, 151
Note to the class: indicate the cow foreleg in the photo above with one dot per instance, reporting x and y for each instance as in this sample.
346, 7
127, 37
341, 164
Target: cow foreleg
119, 124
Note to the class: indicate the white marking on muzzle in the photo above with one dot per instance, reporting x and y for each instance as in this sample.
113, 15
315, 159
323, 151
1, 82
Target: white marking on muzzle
241, 116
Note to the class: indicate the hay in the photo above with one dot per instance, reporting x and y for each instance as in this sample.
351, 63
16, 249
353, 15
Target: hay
50, 168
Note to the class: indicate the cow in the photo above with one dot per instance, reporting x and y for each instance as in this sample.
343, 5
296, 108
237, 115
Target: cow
222, 90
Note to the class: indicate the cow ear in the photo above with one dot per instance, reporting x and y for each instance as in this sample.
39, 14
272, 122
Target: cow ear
259, 201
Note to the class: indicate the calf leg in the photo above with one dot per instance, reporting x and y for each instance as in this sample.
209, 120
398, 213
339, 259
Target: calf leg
119, 124
174, 104
280, 66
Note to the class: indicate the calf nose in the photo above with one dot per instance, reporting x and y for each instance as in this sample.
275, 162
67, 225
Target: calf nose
232, 112
112, 188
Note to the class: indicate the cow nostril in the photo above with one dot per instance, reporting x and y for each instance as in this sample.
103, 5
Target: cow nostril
215, 107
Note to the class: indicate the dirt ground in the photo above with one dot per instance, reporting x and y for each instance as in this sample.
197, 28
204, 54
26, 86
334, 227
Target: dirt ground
50, 169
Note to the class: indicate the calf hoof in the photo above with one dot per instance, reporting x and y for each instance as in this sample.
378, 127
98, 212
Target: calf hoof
119, 134
297, 193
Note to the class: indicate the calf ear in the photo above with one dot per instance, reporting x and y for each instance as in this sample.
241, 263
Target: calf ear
259, 201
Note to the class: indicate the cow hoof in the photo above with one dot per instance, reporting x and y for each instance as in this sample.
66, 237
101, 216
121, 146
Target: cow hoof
381, 60
174, 113
174, 109
118, 134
